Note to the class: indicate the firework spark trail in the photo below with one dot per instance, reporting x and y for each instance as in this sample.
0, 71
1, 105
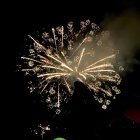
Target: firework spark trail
54, 37
44, 87
50, 74
82, 53
57, 64
31, 59
53, 67
37, 44
62, 35
108, 57
79, 46
58, 104
62, 64
67, 85
99, 66
95, 71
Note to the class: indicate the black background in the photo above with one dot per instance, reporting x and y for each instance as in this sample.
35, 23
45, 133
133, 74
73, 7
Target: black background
82, 121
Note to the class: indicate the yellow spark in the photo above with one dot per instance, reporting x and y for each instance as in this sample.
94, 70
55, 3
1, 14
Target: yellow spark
49, 74
79, 45
108, 57
99, 66
45, 60
27, 70
106, 77
31, 59
62, 35
102, 71
105, 91
80, 79
62, 64
83, 75
80, 57
67, 85
58, 103
44, 86
54, 76
53, 67
38, 44
89, 74
54, 37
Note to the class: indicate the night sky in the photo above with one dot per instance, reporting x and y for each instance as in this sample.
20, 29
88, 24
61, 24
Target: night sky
82, 118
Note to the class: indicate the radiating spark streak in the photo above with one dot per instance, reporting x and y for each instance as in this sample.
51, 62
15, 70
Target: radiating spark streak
33, 69
53, 31
55, 59
44, 87
62, 64
62, 53
108, 79
49, 74
53, 67
108, 57
45, 59
54, 76
64, 56
105, 91
46, 62
89, 75
102, 71
83, 75
34, 40
58, 57
58, 103
80, 58
105, 76
99, 66
92, 87
43, 81
38, 44
31, 59
27, 70
78, 78
67, 85
62, 36
79, 46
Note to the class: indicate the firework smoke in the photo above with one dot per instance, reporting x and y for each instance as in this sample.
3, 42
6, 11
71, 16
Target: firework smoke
125, 31
66, 55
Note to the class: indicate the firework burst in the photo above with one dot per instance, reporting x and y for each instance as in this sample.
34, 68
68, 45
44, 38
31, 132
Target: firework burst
66, 55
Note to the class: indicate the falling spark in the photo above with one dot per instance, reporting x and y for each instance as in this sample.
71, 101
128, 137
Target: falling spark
57, 63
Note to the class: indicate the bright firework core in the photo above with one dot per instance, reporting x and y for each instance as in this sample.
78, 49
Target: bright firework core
65, 56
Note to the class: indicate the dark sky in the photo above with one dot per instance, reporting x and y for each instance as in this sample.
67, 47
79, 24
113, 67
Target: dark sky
27, 19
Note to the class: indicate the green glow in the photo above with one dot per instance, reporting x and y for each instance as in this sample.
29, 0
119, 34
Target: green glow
59, 138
